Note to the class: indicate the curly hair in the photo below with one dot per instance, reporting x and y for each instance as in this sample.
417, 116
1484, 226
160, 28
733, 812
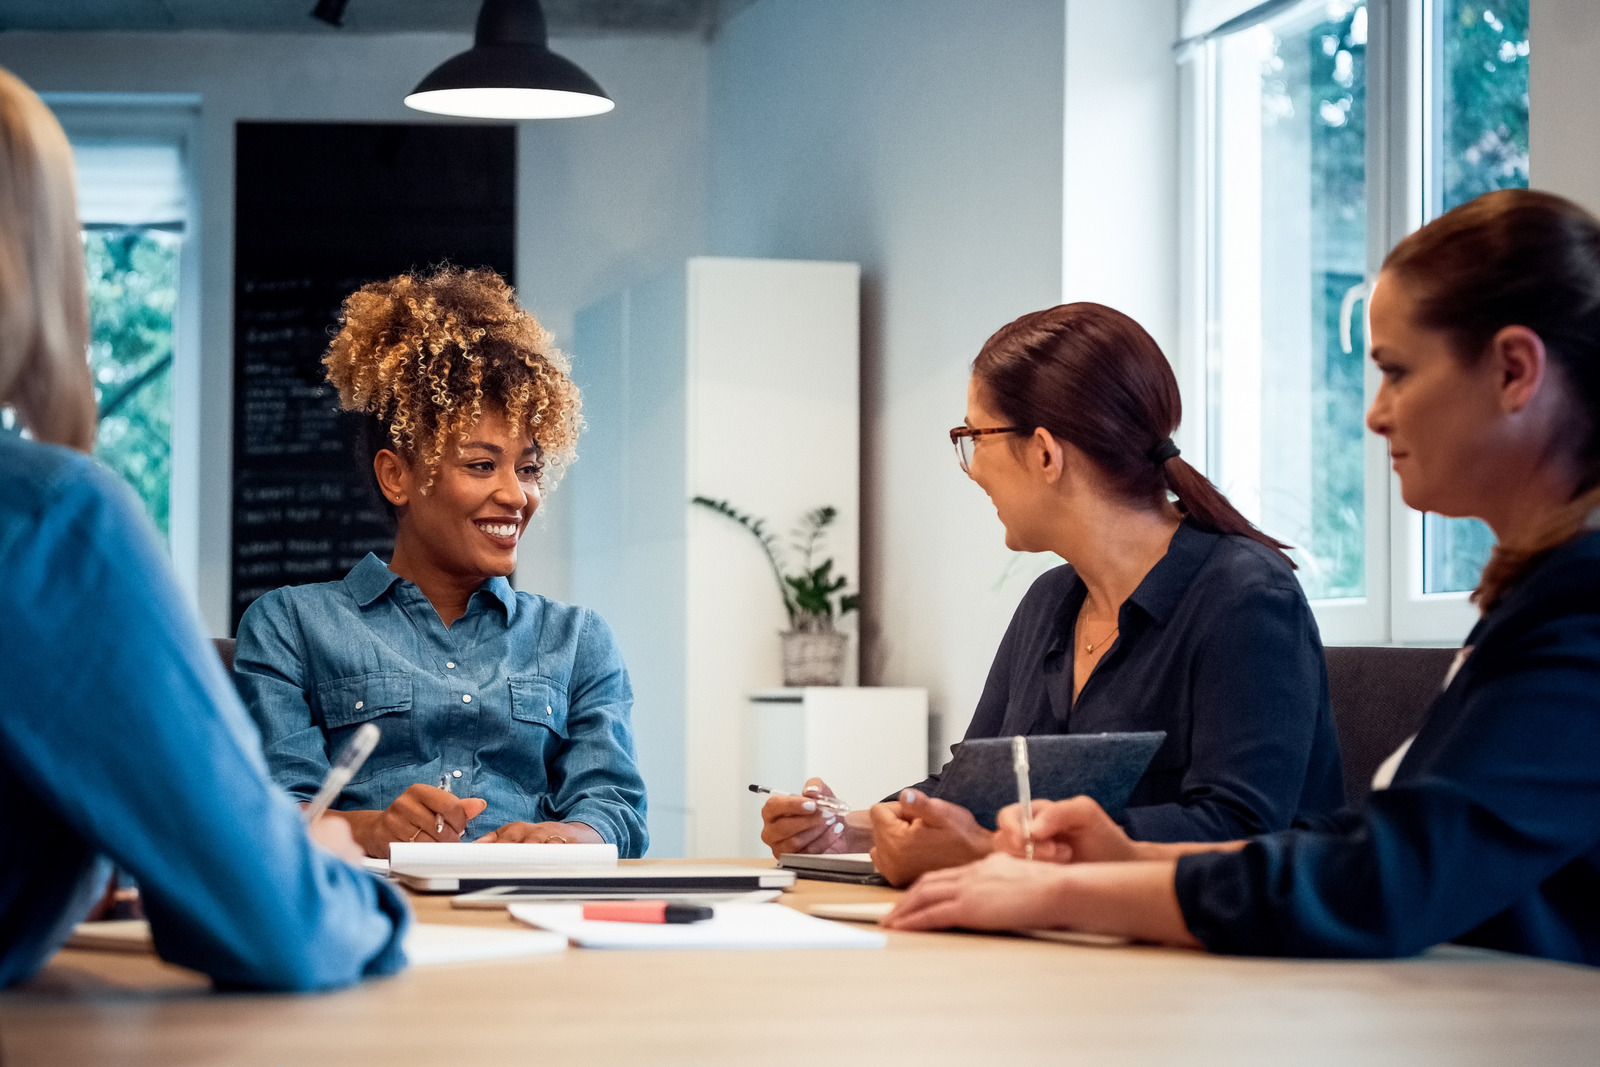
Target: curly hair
425, 355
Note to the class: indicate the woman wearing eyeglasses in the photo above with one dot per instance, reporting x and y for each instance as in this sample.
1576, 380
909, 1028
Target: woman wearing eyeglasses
1172, 613
1486, 326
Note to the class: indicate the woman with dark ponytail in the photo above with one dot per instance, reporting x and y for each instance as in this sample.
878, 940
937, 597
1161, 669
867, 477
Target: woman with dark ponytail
1173, 613
1485, 325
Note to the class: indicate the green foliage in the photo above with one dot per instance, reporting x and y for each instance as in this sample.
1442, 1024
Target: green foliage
808, 596
1483, 135
133, 289
1484, 114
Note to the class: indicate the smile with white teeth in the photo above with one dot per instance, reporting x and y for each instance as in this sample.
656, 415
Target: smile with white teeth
499, 529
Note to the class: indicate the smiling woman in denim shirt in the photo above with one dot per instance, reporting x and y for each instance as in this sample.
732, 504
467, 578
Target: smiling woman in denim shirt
504, 715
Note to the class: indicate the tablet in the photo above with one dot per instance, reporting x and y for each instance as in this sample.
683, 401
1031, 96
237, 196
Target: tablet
1106, 767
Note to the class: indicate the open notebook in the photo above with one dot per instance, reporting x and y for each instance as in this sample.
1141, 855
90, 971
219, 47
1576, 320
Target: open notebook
426, 943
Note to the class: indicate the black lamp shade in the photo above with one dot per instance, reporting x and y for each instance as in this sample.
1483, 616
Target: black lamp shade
510, 73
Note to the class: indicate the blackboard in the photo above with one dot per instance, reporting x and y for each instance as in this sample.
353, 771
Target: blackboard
320, 209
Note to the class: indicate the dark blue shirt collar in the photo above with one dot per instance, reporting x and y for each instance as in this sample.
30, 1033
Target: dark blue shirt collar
1160, 591
371, 578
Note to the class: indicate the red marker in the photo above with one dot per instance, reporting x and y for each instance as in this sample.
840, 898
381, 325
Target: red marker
645, 911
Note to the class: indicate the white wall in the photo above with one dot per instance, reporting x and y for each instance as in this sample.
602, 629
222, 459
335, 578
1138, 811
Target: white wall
601, 200
1564, 89
922, 139
1120, 171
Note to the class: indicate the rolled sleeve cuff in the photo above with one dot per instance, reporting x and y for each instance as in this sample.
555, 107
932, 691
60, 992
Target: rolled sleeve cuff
628, 834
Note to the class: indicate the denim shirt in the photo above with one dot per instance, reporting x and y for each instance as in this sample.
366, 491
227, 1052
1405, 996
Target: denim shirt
523, 702
122, 741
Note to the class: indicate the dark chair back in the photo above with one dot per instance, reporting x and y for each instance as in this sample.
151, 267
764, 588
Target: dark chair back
1380, 696
225, 650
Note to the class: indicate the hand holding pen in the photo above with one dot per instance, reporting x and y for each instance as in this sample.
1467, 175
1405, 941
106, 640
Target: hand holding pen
1076, 830
812, 821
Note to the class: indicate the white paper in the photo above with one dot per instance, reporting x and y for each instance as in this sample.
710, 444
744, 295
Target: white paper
733, 926
428, 943
452, 859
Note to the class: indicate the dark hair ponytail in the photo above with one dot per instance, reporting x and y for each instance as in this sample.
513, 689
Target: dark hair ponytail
1094, 378
1517, 257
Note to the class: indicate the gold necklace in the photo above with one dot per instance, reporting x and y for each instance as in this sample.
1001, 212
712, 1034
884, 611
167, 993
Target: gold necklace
1090, 646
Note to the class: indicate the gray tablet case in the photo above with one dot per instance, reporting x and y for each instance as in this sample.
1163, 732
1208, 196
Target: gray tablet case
1106, 767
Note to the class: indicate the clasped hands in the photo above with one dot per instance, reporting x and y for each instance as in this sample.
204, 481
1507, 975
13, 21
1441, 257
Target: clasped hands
919, 835
1004, 891
907, 837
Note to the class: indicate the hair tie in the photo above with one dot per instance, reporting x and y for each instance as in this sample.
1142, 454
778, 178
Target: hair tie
1162, 451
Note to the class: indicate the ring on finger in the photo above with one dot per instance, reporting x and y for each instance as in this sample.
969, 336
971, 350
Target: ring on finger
414, 836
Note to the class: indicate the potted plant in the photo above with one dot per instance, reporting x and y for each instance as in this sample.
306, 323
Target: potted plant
813, 651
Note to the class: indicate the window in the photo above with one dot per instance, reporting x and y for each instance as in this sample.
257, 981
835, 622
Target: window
1288, 236
1304, 176
1481, 120
131, 204
135, 157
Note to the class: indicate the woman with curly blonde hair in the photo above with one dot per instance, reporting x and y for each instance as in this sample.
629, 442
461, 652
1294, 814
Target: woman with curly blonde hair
492, 703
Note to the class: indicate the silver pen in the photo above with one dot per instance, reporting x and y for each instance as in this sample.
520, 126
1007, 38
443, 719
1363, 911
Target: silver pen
1019, 762
444, 783
353, 755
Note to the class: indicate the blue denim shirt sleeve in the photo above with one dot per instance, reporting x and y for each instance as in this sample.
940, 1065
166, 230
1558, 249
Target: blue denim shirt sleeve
597, 781
140, 751
271, 674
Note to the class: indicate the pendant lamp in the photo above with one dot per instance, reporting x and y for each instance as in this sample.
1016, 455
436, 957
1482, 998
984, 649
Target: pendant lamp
510, 73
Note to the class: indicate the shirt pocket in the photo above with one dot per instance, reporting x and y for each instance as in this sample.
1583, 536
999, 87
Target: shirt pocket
382, 698
541, 702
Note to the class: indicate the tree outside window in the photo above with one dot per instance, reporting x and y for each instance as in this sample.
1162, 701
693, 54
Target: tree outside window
133, 289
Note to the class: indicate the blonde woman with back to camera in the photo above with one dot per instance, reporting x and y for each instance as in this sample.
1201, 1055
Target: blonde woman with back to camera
121, 739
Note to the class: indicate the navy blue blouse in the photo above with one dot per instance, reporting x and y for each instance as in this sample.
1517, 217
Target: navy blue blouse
1217, 646
1489, 834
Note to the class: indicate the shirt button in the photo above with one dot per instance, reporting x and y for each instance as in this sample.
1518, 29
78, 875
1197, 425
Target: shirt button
466, 698
547, 709
452, 666
455, 774
360, 704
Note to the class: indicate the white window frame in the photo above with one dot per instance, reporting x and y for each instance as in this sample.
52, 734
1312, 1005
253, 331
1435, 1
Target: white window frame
1402, 140
169, 117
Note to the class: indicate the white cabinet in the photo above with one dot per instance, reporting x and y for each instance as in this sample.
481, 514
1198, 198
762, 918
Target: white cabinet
864, 742
736, 379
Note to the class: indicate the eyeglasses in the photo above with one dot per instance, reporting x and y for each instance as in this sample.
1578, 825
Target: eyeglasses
964, 436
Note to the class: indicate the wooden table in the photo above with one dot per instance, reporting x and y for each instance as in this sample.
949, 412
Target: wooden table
926, 999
